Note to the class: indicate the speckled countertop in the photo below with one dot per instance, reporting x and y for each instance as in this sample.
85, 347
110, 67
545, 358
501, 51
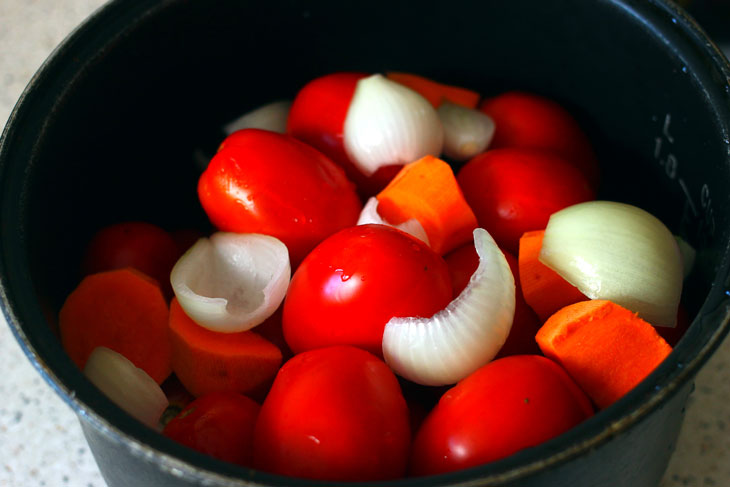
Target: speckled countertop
40, 439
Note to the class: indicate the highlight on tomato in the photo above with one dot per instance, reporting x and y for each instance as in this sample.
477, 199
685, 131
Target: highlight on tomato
334, 413
506, 406
351, 284
532, 121
264, 182
513, 191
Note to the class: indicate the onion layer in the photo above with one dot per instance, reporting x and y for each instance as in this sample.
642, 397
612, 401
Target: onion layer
369, 214
389, 124
617, 252
466, 334
128, 386
688, 255
271, 116
232, 282
467, 132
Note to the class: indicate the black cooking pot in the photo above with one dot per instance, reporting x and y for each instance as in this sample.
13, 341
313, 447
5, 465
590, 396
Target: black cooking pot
107, 129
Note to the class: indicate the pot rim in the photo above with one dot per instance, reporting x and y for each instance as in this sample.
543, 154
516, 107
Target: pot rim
678, 369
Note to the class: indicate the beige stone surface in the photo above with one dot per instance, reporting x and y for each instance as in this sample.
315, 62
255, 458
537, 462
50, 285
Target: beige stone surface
40, 440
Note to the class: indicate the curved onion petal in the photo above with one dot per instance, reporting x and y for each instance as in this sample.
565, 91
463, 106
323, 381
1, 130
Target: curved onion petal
128, 386
618, 252
271, 117
389, 124
467, 132
369, 214
466, 334
232, 282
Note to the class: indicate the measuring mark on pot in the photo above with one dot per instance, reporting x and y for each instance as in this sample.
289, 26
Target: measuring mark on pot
670, 163
685, 190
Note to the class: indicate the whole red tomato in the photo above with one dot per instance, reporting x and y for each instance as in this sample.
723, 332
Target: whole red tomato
513, 191
140, 245
532, 121
351, 284
269, 183
335, 413
507, 405
219, 424
317, 117
462, 263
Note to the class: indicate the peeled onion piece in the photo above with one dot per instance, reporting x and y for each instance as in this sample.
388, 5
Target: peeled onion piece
688, 255
272, 116
389, 124
466, 334
467, 132
232, 282
128, 386
618, 252
369, 214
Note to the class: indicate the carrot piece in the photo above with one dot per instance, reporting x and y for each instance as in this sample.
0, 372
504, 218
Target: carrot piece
606, 348
123, 310
436, 92
207, 361
543, 288
427, 191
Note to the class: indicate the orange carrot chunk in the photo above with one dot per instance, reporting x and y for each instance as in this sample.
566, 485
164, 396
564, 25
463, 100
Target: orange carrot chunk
606, 348
434, 91
207, 361
123, 310
427, 191
543, 288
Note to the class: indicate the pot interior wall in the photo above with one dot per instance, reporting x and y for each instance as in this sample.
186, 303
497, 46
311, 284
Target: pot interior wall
153, 87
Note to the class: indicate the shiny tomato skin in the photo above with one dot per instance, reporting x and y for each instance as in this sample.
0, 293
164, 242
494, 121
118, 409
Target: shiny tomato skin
143, 246
532, 121
334, 413
276, 185
513, 191
462, 263
317, 117
219, 424
351, 284
506, 406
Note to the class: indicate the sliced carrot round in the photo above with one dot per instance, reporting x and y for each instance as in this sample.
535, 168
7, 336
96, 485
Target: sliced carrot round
208, 361
123, 310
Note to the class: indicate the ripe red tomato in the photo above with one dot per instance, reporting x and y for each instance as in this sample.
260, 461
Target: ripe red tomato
270, 183
513, 191
335, 413
219, 424
317, 117
351, 284
140, 245
507, 405
462, 263
532, 121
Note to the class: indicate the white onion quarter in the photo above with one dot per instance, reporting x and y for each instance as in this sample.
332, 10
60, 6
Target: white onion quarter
128, 386
617, 252
467, 132
232, 282
388, 124
272, 116
465, 335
